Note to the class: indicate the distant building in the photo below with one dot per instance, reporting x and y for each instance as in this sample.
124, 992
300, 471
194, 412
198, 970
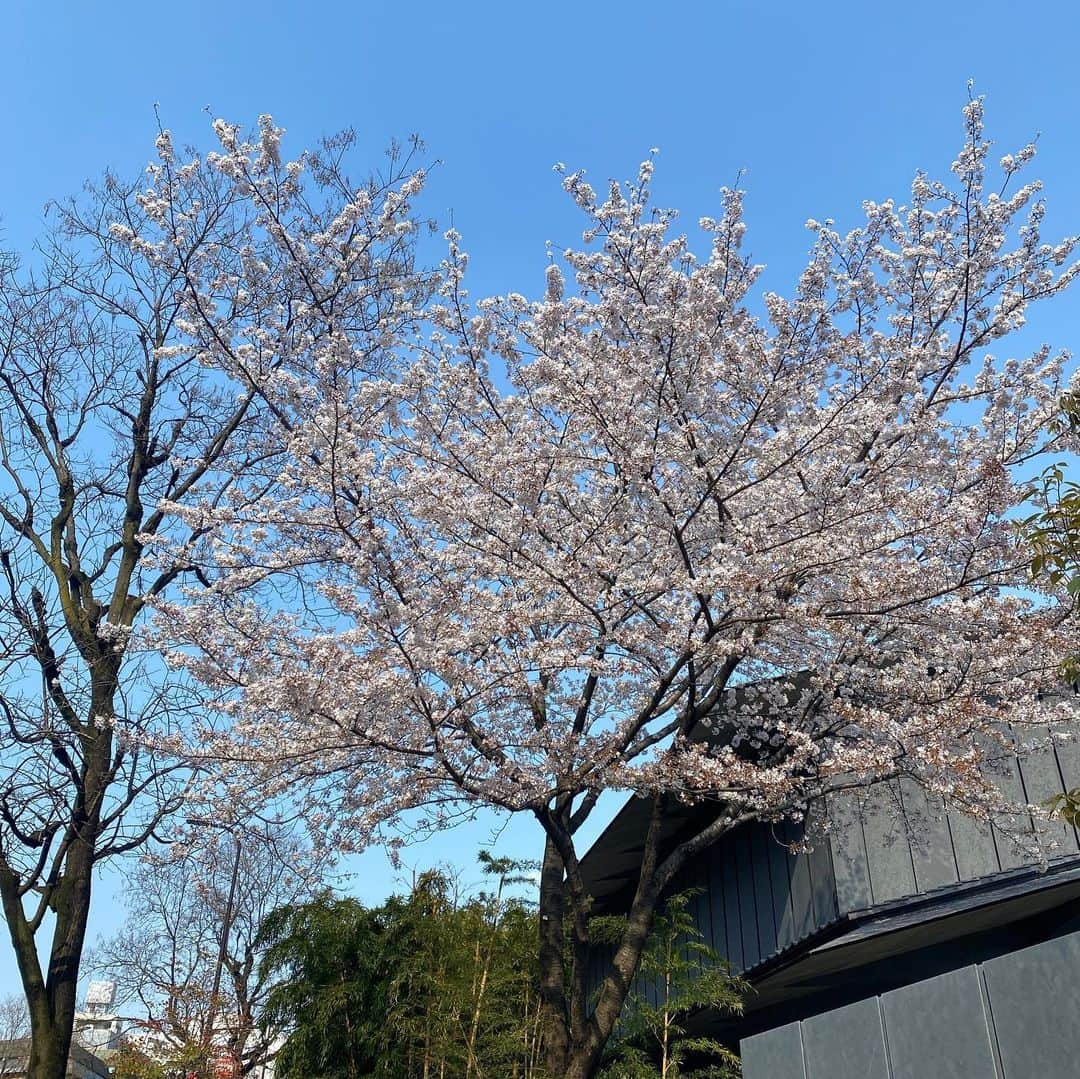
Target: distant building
100, 1032
98, 1026
82, 1064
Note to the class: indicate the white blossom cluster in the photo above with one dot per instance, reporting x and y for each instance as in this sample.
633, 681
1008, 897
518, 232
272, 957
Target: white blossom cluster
526, 555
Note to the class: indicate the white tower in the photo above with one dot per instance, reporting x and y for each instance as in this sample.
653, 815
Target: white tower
97, 1026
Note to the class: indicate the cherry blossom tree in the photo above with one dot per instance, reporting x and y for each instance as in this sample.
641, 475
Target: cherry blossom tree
109, 420
534, 561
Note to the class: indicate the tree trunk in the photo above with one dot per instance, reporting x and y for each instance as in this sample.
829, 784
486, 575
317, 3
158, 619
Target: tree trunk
574, 1038
556, 1015
573, 1041
48, 1052
52, 999
580, 1066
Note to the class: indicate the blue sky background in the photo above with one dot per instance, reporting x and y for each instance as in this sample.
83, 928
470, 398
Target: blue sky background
822, 104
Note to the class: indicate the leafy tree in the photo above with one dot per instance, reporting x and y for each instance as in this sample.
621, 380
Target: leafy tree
684, 975
471, 992
429, 984
334, 964
1053, 532
142, 1057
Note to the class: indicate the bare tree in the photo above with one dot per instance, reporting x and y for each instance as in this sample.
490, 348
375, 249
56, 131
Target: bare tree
110, 423
188, 954
14, 1027
14, 1019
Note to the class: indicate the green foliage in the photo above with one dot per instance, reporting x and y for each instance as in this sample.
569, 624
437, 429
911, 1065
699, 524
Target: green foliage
435, 986
1066, 806
685, 975
427, 985
189, 1061
1054, 534
1054, 531
335, 961
131, 1063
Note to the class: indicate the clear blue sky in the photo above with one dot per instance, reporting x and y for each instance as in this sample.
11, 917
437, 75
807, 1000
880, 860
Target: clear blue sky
822, 104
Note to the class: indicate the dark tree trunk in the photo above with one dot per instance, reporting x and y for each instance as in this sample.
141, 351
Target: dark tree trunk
52, 999
574, 1036
556, 1014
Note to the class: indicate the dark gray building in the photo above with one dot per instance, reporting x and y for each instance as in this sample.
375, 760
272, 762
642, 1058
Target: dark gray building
906, 942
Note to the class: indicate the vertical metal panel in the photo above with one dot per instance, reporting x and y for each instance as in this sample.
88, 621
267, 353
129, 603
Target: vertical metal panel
1013, 1017
699, 905
976, 852
650, 990
938, 1027
1007, 776
931, 842
732, 915
1042, 780
748, 901
1068, 756
783, 915
847, 1043
888, 851
717, 917
683, 882
776, 1054
639, 985
822, 873
802, 889
1034, 996
763, 894
853, 890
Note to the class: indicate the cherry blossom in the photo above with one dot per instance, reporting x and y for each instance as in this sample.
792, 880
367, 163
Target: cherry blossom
530, 555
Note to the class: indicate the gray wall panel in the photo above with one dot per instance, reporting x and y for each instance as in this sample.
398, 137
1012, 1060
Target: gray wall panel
748, 901
1007, 776
1068, 755
802, 887
776, 1054
849, 855
822, 876
1042, 780
732, 922
931, 841
783, 916
1035, 999
700, 908
763, 892
717, 916
976, 852
939, 1028
1013, 1017
892, 873
845, 1044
